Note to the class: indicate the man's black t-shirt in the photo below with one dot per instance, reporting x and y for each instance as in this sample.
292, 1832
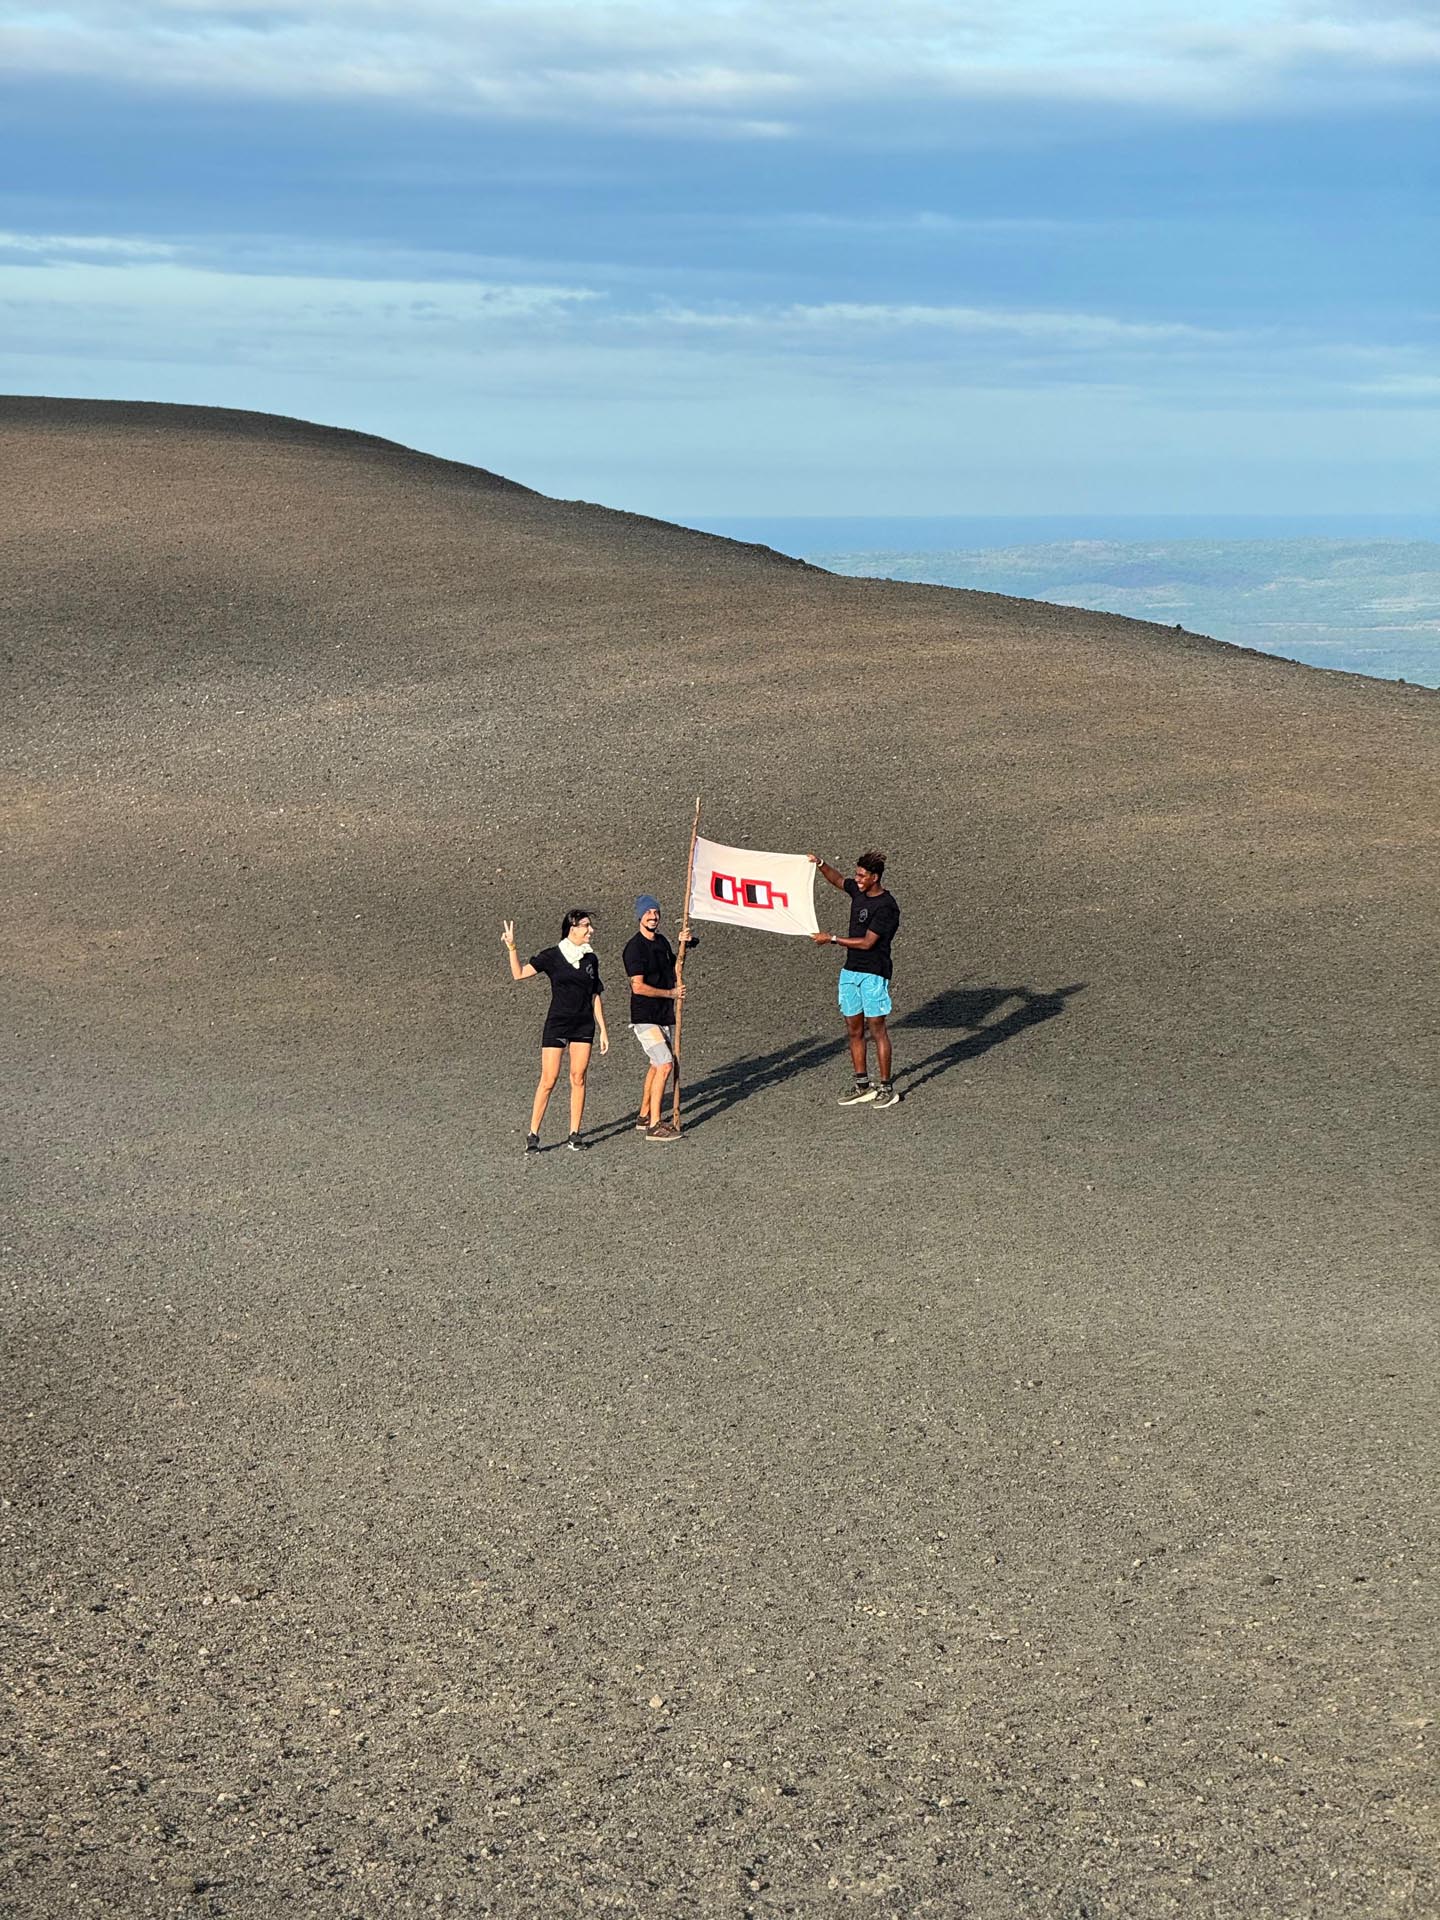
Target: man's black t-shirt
572, 991
654, 961
871, 913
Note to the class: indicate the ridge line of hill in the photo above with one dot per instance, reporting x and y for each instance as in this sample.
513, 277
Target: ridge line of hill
245, 423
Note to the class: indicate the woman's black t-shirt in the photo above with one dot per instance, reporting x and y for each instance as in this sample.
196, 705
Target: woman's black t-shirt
572, 993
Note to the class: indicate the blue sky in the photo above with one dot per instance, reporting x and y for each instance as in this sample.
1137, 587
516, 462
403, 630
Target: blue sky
731, 258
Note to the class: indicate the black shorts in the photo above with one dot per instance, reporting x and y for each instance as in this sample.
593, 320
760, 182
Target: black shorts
560, 1033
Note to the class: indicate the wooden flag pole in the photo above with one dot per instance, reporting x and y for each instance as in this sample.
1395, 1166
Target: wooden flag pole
680, 964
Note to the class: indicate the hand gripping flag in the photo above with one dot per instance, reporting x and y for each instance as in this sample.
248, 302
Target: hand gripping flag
772, 891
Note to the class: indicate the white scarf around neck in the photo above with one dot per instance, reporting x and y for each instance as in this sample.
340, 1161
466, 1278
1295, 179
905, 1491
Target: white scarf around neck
573, 953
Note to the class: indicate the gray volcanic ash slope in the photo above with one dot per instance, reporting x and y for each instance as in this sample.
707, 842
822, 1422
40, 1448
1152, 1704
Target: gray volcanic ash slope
1009, 1504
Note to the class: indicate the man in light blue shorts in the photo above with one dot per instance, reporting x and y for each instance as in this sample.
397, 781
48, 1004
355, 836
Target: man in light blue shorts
865, 976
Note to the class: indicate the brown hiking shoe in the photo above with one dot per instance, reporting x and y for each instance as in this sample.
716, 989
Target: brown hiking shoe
663, 1132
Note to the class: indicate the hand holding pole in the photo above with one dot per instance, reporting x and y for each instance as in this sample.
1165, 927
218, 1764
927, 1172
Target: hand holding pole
680, 963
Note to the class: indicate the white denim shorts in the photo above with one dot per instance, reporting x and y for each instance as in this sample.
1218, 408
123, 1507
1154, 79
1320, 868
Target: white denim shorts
655, 1040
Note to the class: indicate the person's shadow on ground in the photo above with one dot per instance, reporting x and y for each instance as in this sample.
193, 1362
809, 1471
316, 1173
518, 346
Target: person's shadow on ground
968, 1012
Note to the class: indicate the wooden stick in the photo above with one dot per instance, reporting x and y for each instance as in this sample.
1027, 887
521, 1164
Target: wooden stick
680, 964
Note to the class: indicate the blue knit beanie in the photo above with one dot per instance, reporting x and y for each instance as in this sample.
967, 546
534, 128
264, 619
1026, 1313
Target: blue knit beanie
647, 903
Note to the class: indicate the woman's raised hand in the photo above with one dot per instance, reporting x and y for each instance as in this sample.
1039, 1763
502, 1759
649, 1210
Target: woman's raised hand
507, 932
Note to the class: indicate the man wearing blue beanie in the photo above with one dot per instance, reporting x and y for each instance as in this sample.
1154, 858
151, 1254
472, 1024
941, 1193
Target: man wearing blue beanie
654, 995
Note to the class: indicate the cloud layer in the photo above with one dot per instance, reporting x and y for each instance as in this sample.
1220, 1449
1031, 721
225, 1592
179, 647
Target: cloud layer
918, 257
740, 67
125, 293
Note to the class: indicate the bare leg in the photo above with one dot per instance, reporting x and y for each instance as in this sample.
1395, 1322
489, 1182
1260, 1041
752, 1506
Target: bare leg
855, 1028
658, 1075
579, 1062
880, 1034
549, 1074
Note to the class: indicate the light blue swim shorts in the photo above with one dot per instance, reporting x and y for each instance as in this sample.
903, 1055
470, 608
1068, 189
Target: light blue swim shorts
865, 993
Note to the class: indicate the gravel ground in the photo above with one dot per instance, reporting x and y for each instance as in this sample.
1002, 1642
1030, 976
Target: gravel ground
1018, 1503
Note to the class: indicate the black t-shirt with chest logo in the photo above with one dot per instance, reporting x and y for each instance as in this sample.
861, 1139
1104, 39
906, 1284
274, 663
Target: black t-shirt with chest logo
654, 961
875, 913
572, 993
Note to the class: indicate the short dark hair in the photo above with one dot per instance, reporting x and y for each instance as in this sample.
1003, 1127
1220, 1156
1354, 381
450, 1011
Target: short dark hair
573, 919
872, 862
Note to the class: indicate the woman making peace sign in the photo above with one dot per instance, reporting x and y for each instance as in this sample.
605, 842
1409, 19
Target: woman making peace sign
575, 1012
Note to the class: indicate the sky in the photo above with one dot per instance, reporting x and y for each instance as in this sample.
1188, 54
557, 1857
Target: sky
723, 257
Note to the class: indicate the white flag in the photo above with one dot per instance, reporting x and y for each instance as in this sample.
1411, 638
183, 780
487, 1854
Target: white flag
774, 892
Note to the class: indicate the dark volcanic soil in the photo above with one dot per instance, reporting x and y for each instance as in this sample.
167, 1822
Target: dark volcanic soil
1013, 1504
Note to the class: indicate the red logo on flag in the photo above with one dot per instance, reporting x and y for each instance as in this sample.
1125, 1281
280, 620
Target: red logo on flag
731, 892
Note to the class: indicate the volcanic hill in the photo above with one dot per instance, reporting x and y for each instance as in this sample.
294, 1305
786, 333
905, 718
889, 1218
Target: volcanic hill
1014, 1503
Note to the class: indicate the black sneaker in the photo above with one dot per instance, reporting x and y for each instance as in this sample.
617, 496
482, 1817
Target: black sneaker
887, 1096
532, 1143
577, 1145
859, 1094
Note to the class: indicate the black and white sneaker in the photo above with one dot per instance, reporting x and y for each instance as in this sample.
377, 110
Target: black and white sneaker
858, 1096
532, 1143
887, 1096
577, 1145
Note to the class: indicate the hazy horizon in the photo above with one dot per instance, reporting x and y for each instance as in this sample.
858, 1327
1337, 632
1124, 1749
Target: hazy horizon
1357, 594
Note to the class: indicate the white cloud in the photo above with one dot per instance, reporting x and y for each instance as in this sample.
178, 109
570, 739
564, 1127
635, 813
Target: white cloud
925, 223
256, 294
171, 311
744, 66
373, 306
76, 246
1396, 40
1402, 386
839, 318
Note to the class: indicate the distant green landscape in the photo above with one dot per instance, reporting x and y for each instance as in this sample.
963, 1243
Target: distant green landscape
1362, 605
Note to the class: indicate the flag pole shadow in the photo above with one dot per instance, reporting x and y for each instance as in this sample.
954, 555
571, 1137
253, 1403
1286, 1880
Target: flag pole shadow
727, 1086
